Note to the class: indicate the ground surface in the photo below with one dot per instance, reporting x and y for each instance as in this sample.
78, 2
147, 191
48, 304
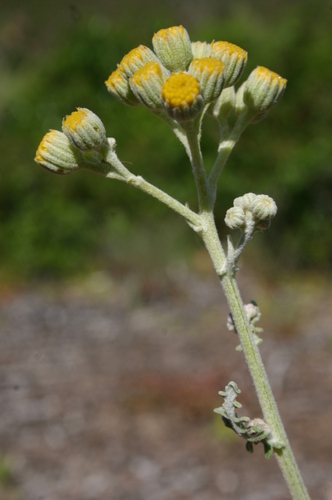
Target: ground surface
107, 390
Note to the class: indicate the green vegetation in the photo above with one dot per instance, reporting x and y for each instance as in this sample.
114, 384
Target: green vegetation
53, 227
6, 473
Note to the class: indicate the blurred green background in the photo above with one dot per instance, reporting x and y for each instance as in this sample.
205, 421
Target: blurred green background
55, 56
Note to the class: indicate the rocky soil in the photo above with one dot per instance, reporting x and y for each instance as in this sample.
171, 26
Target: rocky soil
107, 389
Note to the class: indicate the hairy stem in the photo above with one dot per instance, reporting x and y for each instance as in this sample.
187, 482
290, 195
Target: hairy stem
209, 234
225, 148
118, 171
268, 405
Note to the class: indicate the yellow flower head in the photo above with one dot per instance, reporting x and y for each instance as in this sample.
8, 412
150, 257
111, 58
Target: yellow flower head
181, 95
135, 60
173, 47
147, 84
56, 153
75, 120
146, 72
84, 129
233, 57
117, 85
263, 89
180, 90
210, 72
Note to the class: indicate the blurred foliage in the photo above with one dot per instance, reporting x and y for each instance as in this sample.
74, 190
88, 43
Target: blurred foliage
53, 226
6, 473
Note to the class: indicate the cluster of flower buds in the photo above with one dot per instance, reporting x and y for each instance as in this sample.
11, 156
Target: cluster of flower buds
181, 77
253, 314
178, 76
81, 144
251, 210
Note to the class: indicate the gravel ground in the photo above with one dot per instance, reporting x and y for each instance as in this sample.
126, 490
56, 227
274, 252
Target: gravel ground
107, 389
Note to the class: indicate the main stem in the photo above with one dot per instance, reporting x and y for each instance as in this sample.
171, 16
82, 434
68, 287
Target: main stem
270, 411
206, 190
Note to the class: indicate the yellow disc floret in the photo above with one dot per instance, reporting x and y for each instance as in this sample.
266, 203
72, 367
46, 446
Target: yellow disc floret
149, 70
176, 31
56, 153
173, 48
115, 80
263, 89
84, 129
135, 59
75, 119
210, 65
180, 91
210, 72
219, 48
268, 75
234, 58
147, 84
118, 85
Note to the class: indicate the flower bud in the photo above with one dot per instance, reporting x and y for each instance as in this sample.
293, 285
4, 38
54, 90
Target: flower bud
225, 103
245, 201
210, 74
84, 129
264, 207
56, 153
173, 47
235, 218
252, 311
233, 57
117, 84
263, 89
147, 84
200, 50
135, 60
181, 97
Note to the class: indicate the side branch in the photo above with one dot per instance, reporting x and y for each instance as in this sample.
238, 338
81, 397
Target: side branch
120, 172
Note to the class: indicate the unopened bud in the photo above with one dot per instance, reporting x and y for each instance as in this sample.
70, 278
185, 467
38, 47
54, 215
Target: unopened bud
264, 207
135, 60
182, 97
200, 50
245, 201
235, 218
56, 153
233, 57
263, 89
252, 311
173, 47
84, 129
118, 85
210, 74
147, 84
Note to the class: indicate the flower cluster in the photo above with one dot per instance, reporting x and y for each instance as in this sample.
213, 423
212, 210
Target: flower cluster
182, 77
178, 76
251, 210
81, 144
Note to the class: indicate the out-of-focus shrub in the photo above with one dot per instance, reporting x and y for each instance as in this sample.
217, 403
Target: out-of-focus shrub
53, 226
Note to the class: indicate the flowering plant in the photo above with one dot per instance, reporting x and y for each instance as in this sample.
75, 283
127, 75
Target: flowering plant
180, 82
